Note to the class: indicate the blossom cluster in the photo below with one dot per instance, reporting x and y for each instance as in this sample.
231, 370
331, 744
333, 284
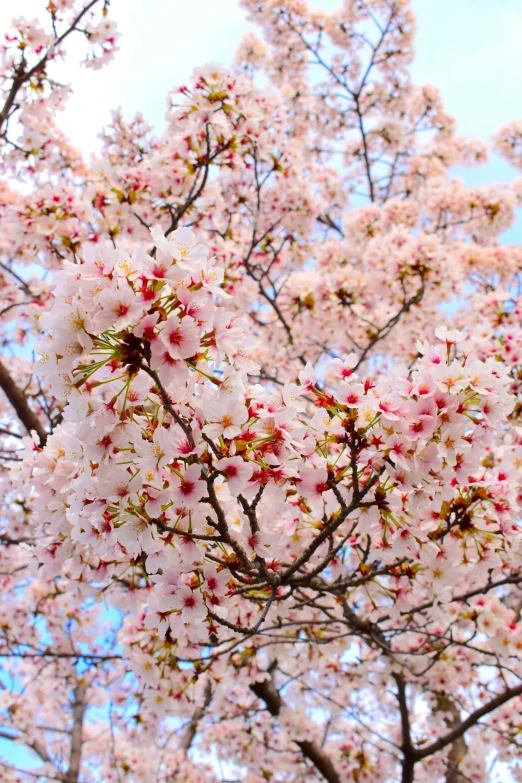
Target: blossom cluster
172, 466
299, 500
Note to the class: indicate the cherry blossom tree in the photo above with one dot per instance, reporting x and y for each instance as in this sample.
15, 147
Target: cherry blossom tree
261, 423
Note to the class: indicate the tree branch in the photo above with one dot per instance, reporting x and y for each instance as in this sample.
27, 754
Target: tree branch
192, 728
75, 757
19, 402
471, 720
268, 693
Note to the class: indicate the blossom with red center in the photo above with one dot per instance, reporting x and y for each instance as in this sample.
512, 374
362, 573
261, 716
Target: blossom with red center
237, 472
226, 416
119, 308
449, 336
312, 482
190, 602
216, 581
350, 395
388, 408
180, 337
147, 327
188, 490
398, 447
345, 369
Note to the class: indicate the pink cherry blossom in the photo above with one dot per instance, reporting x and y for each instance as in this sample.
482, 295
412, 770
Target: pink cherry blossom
236, 471
188, 490
261, 488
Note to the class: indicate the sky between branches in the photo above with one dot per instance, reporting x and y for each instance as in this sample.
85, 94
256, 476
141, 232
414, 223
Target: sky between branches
470, 49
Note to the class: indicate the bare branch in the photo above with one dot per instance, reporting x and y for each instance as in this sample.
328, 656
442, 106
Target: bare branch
268, 693
19, 402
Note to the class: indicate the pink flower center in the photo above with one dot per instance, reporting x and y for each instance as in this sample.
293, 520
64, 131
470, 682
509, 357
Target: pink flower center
159, 271
176, 337
186, 487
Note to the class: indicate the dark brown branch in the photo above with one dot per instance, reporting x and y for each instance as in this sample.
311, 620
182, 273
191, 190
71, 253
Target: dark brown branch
19, 402
408, 760
326, 220
471, 720
75, 757
329, 530
268, 693
459, 748
168, 405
